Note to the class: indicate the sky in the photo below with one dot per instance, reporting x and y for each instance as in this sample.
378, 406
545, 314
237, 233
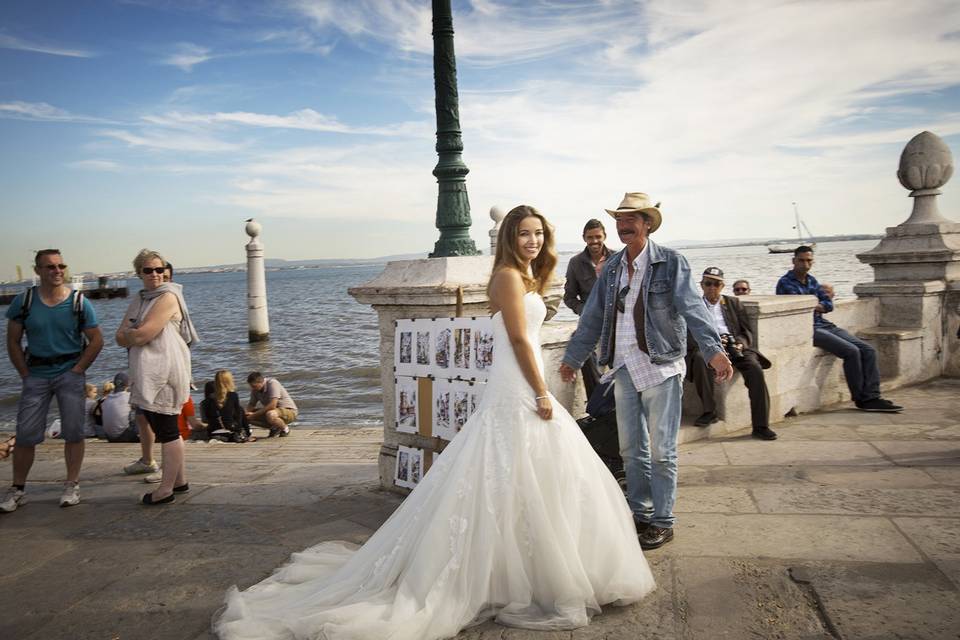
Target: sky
165, 124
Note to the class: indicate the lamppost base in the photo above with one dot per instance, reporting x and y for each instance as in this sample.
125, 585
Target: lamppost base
451, 248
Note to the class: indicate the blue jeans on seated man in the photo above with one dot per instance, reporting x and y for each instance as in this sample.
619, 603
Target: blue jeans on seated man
859, 359
648, 423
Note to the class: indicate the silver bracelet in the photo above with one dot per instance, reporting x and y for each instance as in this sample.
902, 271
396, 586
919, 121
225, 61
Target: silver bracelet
542, 398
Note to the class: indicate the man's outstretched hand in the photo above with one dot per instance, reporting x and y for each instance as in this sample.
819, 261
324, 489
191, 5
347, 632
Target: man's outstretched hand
722, 370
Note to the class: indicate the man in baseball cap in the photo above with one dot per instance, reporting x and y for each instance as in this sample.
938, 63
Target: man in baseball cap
730, 321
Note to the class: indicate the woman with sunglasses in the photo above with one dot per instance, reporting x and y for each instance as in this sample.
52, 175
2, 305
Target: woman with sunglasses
158, 332
518, 520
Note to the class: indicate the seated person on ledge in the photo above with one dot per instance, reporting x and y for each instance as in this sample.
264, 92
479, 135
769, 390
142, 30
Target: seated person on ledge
118, 422
731, 323
741, 288
222, 412
859, 358
277, 409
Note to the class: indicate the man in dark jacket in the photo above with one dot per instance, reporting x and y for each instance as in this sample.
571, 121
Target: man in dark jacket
582, 272
731, 322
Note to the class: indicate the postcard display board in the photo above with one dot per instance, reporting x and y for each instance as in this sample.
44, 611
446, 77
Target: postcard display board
441, 367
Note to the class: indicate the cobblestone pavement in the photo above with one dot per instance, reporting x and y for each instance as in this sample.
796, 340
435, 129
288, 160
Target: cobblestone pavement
848, 526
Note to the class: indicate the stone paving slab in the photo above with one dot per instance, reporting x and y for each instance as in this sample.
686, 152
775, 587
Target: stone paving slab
873, 477
874, 601
920, 453
789, 537
858, 500
804, 453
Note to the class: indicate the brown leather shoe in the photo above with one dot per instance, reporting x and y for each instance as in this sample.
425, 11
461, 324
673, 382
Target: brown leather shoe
655, 537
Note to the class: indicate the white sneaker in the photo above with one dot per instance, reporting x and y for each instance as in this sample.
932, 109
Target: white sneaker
71, 494
139, 466
153, 478
12, 499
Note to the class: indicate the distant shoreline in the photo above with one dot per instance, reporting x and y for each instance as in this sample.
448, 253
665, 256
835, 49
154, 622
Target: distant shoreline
754, 243
277, 264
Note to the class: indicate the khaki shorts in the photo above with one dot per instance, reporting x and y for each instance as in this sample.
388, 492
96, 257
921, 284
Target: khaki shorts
287, 415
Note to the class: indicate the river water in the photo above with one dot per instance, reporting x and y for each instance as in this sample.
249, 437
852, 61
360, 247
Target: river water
323, 344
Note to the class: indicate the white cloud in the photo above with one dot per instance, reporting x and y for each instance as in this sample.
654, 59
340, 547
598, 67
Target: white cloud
488, 33
304, 119
96, 165
18, 110
19, 44
165, 141
187, 55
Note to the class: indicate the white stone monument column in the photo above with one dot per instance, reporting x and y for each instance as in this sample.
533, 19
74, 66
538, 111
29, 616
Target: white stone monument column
917, 274
497, 214
258, 321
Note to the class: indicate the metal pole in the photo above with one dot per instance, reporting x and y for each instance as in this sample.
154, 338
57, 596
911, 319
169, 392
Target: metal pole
258, 320
453, 206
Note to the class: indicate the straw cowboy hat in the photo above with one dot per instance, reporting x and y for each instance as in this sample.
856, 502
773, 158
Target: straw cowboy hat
637, 202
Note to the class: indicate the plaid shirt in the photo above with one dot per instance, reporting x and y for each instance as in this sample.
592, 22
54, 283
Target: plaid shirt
643, 373
788, 285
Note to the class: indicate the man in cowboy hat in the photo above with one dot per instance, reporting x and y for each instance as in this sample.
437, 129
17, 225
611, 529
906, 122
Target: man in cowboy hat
639, 311
731, 321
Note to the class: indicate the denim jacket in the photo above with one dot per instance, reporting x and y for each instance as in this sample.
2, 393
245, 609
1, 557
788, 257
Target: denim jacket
671, 304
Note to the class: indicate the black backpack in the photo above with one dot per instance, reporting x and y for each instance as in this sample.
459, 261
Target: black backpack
78, 311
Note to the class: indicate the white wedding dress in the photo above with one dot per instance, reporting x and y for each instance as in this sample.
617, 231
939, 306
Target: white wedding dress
517, 520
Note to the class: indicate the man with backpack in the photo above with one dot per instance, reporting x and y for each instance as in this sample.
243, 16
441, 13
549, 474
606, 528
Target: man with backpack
63, 341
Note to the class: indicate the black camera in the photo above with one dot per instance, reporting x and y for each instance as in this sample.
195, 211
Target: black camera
734, 349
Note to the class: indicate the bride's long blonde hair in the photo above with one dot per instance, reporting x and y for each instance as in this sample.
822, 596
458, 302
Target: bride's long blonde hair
541, 268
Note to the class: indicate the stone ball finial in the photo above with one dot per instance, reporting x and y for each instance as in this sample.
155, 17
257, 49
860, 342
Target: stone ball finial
926, 164
253, 228
497, 214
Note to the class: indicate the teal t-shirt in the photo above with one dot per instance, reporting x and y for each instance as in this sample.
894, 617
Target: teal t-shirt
52, 331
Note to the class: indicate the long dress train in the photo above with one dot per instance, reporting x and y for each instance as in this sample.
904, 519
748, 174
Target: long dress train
517, 520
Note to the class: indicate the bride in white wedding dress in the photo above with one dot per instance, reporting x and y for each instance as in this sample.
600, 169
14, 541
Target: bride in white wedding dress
518, 519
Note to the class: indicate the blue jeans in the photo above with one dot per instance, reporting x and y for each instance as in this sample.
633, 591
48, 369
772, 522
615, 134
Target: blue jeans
648, 423
859, 360
35, 402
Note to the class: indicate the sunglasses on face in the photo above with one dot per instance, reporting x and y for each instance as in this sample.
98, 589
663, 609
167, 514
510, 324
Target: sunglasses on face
740, 290
711, 283
54, 267
148, 270
621, 297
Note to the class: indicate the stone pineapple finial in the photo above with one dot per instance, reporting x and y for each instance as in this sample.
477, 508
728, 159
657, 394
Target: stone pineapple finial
926, 164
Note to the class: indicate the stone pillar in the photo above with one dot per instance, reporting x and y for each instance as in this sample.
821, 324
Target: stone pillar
917, 273
258, 321
497, 214
430, 288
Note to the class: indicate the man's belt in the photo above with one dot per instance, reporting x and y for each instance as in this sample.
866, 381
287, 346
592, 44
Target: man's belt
41, 361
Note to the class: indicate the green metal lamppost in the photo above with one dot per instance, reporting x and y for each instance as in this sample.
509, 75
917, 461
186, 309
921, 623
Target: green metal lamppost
453, 205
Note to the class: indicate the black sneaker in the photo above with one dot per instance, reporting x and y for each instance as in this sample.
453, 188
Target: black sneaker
706, 419
878, 405
655, 537
764, 433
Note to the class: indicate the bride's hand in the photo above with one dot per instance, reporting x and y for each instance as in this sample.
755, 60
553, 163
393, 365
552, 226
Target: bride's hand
544, 408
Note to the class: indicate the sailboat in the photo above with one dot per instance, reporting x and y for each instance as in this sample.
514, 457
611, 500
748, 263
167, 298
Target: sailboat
789, 248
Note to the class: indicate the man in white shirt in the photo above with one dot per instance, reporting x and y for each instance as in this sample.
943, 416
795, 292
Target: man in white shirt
639, 311
731, 323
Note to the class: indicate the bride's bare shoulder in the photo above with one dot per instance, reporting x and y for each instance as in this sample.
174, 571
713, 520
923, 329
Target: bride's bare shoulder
506, 283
